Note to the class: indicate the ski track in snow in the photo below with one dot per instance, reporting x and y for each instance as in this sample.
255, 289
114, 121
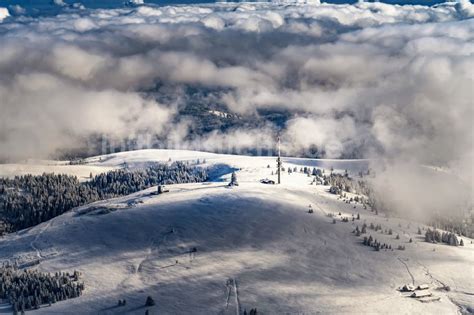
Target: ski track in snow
237, 301
428, 273
232, 286
318, 205
229, 291
154, 245
33, 242
408, 269
442, 285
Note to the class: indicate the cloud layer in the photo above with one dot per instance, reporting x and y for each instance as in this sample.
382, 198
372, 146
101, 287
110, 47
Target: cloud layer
369, 78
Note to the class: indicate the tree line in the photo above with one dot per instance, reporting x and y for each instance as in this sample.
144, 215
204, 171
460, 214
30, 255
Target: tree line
29, 289
435, 236
28, 200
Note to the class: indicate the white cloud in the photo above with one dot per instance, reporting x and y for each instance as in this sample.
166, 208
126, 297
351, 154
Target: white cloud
4, 13
371, 77
60, 3
16, 9
42, 114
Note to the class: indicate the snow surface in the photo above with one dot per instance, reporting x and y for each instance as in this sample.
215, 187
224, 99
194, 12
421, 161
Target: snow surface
256, 247
37, 168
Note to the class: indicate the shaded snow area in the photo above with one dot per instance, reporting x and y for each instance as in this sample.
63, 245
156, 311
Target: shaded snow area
206, 248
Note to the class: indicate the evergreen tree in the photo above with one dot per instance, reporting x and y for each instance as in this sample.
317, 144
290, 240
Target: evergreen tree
29, 289
28, 200
149, 301
233, 180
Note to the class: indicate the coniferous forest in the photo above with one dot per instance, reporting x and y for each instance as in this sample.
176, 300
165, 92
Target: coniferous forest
26, 201
29, 289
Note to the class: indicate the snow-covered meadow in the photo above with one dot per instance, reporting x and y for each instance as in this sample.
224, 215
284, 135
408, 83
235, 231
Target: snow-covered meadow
256, 246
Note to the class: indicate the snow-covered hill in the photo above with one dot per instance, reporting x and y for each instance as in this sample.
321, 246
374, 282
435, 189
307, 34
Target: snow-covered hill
255, 245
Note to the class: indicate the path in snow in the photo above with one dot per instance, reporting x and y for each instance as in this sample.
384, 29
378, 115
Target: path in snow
237, 301
32, 243
408, 269
231, 286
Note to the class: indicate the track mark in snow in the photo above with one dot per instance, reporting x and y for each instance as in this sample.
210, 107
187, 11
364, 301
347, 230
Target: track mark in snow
237, 302
138, 267
444, 286
318, 205
437, 281
408, 269
32, 243
140, 264
231, 285
229, 291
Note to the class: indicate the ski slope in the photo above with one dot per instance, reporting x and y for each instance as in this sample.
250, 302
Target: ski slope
256, 246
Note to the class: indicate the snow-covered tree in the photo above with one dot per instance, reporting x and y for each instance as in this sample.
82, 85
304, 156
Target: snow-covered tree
233, 180
149, 301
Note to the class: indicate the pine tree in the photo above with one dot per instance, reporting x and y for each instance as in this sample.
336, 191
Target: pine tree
233, 180
149, 301
453, 240
46, 196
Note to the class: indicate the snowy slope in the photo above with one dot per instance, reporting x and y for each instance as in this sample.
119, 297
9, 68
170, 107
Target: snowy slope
256, 247
140, 158
39, 167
